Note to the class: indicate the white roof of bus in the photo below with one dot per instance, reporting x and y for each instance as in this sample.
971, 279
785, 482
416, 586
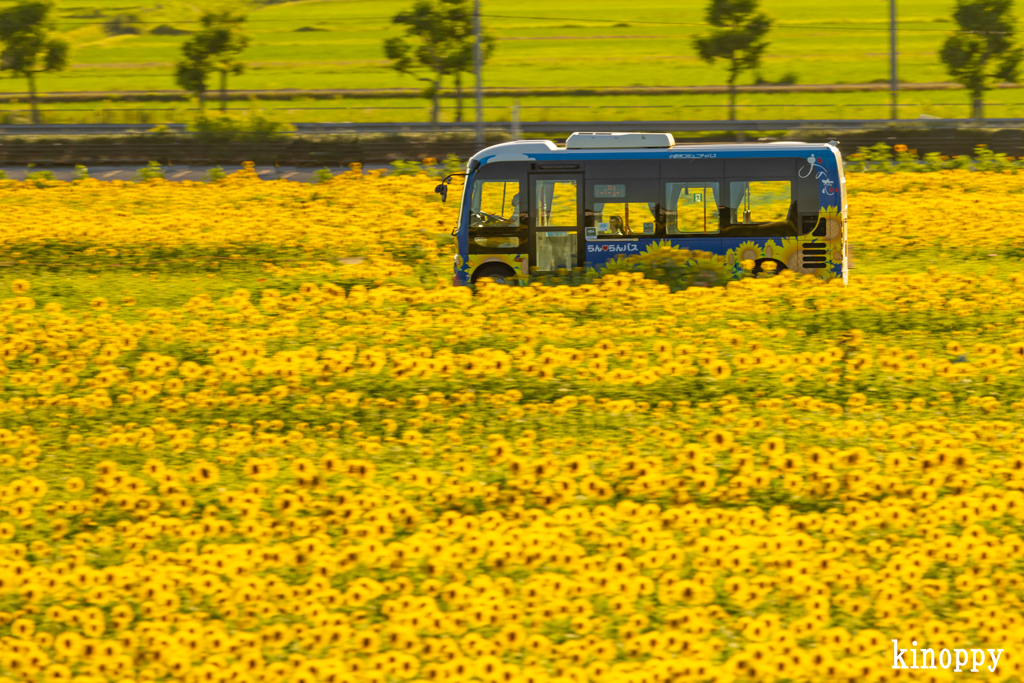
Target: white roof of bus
520, 150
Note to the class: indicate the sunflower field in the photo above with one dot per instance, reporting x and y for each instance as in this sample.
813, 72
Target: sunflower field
249, 435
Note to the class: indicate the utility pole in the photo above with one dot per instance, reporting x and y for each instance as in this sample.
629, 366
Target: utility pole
517, 132
477, 68
894, 86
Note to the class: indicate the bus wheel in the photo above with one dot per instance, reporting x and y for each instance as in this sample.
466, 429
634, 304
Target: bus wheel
759, 263
499, 272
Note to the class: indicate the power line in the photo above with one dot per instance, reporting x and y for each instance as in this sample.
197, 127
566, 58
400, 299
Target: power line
816, 27
533, 106
197, 21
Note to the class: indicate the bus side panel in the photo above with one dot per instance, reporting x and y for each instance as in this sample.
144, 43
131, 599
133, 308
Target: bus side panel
833, 214
700, 256
600, 253
823, 168
740, 249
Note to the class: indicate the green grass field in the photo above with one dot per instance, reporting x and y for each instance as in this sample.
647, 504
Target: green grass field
561, 108
541, 44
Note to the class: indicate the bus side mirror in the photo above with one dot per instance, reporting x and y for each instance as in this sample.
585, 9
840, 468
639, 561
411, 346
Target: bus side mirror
442, 190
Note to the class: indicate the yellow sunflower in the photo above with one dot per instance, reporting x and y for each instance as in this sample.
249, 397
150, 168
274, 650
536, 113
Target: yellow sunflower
709, 271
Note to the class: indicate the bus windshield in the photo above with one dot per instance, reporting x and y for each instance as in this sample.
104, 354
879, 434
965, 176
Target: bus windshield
494, 204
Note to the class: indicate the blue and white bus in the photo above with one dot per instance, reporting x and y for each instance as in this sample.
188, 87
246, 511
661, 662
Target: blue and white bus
532, 208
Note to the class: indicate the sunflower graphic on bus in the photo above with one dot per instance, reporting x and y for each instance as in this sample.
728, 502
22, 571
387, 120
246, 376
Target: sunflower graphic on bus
673, 265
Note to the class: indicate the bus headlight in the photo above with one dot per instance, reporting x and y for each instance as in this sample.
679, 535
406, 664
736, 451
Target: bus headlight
458, 261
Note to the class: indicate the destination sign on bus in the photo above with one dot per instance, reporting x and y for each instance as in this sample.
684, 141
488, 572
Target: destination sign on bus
609, 191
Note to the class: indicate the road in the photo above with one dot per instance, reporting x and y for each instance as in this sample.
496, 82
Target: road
545, 127
179, 173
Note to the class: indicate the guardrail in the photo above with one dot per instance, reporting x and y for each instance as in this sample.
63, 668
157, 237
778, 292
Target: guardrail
451, 93
674, 126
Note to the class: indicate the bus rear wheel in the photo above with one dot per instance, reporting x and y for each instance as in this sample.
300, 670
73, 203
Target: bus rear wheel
759, 266
499, 272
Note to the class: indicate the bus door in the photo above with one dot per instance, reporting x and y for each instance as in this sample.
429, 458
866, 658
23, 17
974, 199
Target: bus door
556, 222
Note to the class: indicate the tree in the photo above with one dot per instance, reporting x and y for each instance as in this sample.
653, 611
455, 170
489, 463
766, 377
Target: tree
214, 48
438, 34
123, 24
982, 51
738, 38
28, 49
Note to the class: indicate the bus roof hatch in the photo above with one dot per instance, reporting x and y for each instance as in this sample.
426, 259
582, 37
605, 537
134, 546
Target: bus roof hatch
618, 140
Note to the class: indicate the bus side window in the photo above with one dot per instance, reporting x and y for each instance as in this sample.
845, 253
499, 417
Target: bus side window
760, 201
555, 203
495, 204
692, 208
624, 218
623, 207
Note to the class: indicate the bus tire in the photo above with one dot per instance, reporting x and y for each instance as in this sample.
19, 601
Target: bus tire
499, 272
779, 266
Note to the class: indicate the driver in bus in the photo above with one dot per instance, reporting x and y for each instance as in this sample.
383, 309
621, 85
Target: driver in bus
505, 242
512, 222
616, 226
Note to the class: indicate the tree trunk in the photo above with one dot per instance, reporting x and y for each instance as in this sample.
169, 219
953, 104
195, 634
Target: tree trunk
224, 92
458, 96
435, 108
978, 107
733, 75
32, 97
